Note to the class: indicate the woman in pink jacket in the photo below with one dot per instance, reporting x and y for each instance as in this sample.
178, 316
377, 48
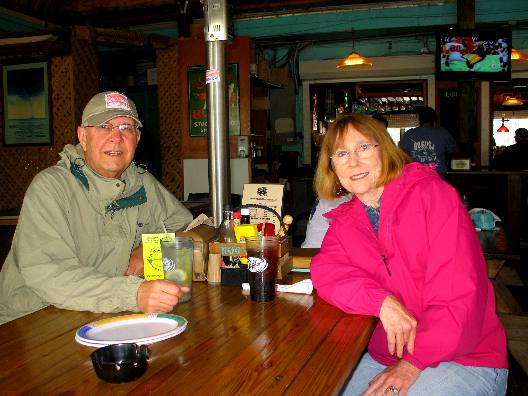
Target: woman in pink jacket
404, 249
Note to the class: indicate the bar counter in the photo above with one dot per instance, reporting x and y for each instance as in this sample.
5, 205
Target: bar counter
295, 345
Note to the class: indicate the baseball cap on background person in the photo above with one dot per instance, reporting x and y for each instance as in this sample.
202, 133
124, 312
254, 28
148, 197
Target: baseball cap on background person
107, 105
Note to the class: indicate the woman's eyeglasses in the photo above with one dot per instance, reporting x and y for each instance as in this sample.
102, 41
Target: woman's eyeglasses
363, 150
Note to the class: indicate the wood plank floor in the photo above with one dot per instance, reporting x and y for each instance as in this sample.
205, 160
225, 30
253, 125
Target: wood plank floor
515, 279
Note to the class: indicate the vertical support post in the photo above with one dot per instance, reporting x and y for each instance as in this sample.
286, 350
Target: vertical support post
467, 101
216, 28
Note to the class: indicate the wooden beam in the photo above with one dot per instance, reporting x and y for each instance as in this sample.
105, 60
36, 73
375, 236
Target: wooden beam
122, 37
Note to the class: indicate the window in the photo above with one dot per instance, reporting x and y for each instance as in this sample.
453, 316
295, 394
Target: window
512, 120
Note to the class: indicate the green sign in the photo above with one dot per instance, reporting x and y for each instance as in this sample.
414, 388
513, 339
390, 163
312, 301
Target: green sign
197, 99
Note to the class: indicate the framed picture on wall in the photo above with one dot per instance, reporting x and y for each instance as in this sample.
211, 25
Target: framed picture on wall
197, 99
26, 104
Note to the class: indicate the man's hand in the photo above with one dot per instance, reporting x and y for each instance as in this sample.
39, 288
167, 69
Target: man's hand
135, 264
399, 325
159, 296
400, 375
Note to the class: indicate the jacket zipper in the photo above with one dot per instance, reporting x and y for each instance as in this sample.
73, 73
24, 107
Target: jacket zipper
386, 266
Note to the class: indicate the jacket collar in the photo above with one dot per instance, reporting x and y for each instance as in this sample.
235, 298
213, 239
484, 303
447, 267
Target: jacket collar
114, 194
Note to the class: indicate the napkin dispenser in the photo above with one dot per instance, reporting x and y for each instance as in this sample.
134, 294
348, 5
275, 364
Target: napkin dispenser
201, 235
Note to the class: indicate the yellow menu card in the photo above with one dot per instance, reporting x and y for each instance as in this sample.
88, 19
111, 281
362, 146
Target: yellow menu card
152, 259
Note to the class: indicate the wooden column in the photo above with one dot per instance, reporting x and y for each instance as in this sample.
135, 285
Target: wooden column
467, 135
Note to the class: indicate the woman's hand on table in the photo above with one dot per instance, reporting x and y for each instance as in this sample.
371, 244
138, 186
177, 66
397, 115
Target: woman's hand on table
399, 325
159, 296
399, 376
135, 263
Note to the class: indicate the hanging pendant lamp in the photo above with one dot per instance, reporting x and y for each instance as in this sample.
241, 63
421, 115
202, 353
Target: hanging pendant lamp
353, 59
512, 101
503, 128
518, 56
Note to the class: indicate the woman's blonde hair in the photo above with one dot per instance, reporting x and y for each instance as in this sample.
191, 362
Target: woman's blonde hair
326, 183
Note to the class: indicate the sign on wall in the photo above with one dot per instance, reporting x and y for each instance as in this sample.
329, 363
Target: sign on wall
197, 99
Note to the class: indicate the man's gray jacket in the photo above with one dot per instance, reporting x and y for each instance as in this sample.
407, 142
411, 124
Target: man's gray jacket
75, 234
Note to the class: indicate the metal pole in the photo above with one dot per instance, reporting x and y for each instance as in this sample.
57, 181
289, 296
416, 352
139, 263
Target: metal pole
216, 36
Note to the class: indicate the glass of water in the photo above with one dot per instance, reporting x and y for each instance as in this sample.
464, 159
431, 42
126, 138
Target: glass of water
178, 262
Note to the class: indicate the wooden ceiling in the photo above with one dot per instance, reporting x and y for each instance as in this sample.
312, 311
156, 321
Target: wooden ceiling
122, 13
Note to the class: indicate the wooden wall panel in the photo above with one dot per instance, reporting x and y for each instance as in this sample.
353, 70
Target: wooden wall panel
73, 81
169, 104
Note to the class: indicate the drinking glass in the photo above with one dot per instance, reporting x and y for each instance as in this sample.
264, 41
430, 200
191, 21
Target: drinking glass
178, 262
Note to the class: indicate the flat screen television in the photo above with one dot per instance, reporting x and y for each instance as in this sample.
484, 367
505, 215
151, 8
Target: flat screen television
473, 54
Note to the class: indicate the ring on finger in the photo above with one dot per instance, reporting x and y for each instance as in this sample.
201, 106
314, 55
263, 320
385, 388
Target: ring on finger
395, 391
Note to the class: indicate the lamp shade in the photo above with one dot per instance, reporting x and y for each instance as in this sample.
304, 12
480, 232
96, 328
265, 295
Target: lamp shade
518, 56
353, 59
503, 128
512, 101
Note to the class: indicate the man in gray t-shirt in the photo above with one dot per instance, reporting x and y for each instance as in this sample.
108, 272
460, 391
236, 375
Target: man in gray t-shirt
428, 144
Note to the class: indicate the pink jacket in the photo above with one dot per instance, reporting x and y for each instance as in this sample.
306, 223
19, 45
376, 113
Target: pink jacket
427, 254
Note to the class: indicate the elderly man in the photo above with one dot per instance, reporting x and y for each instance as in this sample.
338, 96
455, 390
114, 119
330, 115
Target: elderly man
78, 240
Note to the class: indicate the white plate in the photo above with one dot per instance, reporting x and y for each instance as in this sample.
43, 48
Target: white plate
152, 340
137, 328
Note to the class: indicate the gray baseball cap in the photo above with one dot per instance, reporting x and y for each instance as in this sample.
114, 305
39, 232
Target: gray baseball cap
107, 105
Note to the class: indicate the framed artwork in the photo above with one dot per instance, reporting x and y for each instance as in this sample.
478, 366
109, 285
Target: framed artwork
26, 104
197, 99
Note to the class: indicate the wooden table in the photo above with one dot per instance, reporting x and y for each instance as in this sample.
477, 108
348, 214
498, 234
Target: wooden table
295, 345
9, 217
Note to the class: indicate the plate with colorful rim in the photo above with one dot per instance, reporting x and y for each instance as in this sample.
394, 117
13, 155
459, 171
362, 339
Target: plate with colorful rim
136, 328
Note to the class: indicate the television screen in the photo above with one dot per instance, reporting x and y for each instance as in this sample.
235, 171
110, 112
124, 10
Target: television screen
473, 54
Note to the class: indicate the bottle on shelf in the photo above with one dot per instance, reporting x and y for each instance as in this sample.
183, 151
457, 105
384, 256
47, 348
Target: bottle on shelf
315, 119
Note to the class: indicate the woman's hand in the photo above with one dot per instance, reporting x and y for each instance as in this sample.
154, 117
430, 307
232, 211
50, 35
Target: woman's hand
395, 379
399, 325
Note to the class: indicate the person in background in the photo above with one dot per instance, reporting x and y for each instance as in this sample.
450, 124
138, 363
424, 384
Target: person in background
428, 144
317, 223
77, 244
404, 249
514, 157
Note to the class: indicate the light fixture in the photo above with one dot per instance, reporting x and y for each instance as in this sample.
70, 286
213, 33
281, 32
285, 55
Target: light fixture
512, 101
352, 60
503, 128
518, 56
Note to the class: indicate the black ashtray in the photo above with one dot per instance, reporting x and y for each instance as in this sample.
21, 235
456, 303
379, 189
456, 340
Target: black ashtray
120, 362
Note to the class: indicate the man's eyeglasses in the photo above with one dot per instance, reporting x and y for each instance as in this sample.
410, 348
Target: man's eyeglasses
363, 150
125, 129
